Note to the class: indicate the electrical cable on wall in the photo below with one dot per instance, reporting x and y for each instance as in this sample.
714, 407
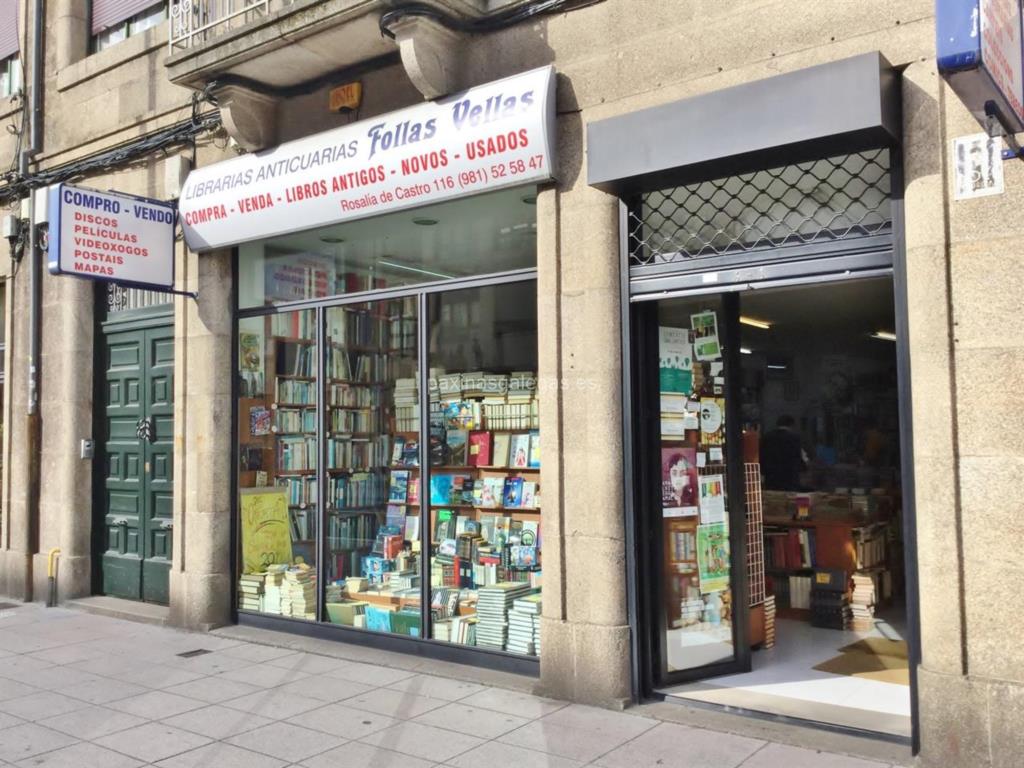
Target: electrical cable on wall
491, 23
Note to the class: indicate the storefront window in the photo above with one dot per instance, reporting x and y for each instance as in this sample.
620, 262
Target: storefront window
484, 494
341, 522
468, 237
277, 463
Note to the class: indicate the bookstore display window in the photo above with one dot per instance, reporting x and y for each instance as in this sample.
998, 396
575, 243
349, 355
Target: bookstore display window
339, 520
695, 565
485, 466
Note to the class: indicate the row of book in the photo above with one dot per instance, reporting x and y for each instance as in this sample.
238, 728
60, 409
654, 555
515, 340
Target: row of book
789, 548
358, 327
494, 387
346, 533
344, 453
294, 392
518, 415
294, 359
301, 489
281, 590
303, 523
454, 489
360, 489
351, 420
295, 419
250, 384
348, 396
362, 367
294, 325
871, 544
296, 453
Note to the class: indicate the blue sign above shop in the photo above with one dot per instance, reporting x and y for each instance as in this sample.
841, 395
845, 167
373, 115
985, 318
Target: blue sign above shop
980, 54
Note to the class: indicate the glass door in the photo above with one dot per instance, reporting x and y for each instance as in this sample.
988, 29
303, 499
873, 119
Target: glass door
692, 506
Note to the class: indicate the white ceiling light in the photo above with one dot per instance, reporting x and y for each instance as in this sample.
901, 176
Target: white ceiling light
764, 325
885, 335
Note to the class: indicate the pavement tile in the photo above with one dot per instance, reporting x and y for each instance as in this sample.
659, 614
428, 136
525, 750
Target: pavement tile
12, 689
286, 741
324, 688
217, 721
54, 678
69, 654
513, 703
263, 675
6, 720
103, 690
494, 753
91, 722
357, 755
257, 653
16, 641
28, 740
437, 687
669, 745
156, 705
423, 741
370, 674
403, 706
274, 704
213, 690
775, 755
310, 663
152, 742
485, 723
600, 720
344, 721
111, 664
81, 755
160, 676
221, 755
565, 741
21, 667
39, 706
208, 664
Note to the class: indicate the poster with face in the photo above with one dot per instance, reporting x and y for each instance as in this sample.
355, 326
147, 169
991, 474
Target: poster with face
679, 492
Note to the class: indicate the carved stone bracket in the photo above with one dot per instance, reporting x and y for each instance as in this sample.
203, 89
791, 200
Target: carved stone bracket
250, 118
430, 53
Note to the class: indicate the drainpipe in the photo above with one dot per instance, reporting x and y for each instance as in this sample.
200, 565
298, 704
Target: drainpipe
32, 425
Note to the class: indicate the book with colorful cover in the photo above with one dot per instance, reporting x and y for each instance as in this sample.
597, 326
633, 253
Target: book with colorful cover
493, 488
479, 454
519, 451
512, 494
398, 491
456, 439
534, 461
529, 498
396, 450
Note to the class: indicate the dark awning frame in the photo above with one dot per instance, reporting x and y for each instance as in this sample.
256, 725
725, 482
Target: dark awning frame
836, 108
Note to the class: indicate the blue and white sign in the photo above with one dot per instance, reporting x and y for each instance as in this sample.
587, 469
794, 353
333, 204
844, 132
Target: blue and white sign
112, 237
980, 54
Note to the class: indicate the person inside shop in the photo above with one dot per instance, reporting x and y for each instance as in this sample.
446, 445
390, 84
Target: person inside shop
782, 456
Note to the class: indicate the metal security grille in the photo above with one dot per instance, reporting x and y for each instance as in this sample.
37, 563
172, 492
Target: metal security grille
837, 198
122, 299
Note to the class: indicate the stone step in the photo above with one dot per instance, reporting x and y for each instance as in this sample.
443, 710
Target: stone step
118, 608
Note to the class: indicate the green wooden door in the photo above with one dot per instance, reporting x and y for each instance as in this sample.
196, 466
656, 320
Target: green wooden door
138, 455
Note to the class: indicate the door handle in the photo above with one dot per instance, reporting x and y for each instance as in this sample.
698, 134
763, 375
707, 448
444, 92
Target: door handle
119, 521
144, 429
166, 525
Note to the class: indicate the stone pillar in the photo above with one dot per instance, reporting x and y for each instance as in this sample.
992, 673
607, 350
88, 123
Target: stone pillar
16, 561
65, 403
204, 445
586, 648
71, 31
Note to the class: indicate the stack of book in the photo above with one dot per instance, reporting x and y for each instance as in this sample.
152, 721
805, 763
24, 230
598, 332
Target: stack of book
298, 596
272, 588
524, 626
769, 621
250, 591
830, 607
862, 602
493, 603
407, 409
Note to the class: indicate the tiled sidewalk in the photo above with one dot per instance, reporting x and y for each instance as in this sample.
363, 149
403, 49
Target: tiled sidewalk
78, 690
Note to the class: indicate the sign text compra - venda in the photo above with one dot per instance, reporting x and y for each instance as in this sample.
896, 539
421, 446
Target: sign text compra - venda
493, 136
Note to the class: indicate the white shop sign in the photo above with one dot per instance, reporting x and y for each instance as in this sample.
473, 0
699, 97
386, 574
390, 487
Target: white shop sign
496, 135
1001, 48
112, 237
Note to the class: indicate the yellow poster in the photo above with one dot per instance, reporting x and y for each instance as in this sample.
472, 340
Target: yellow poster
266, 538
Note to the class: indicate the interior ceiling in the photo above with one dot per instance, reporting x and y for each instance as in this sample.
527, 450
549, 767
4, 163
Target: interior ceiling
849, 306
482, 233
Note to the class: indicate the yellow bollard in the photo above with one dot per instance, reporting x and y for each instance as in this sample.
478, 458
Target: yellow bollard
51, 575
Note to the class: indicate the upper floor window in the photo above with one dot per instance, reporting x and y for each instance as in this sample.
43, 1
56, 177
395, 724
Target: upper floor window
10, 76
116, 20
10, 64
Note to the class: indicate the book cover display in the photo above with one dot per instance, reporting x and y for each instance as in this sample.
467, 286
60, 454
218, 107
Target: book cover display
679, 482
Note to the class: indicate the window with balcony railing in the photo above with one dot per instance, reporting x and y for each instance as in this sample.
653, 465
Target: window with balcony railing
111, 26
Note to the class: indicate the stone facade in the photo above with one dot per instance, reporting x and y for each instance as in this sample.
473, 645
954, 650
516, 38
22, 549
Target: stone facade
962, 277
